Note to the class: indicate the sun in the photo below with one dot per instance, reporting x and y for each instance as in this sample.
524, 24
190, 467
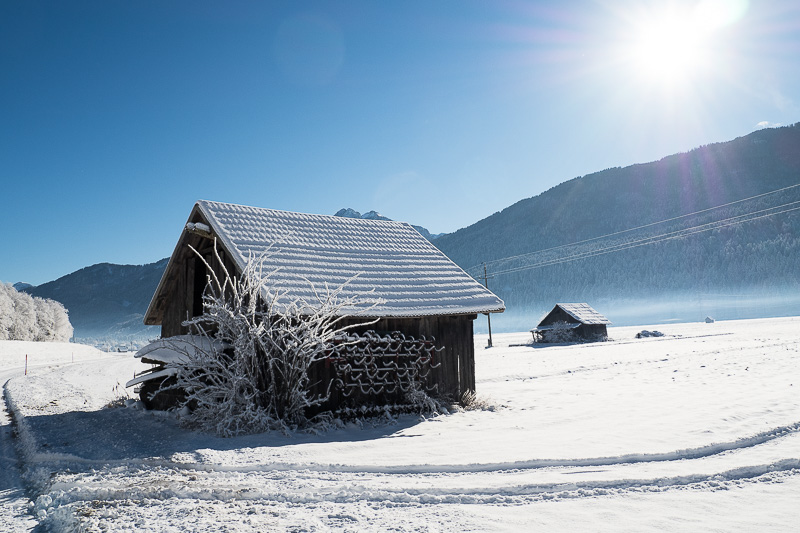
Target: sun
672, 46
668, 51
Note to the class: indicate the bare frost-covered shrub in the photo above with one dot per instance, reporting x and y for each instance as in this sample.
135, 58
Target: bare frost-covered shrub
260, 380
423, 403
470, 401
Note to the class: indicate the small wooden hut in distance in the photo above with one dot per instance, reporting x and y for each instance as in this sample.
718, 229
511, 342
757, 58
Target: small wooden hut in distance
423, 293
583, 323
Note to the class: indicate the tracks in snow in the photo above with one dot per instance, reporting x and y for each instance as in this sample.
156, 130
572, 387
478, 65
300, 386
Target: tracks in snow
305, 487
13, 500
768, 457
700, 452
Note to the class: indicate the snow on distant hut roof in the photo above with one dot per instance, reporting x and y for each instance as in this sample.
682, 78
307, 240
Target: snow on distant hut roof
402, 268
584, 313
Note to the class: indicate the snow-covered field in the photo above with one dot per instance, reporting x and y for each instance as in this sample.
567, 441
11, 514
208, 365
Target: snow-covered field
695, 431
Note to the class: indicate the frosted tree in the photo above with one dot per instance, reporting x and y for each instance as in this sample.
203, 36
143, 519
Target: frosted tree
45, 320
52, 321
25, 318
249, 372
62, 328
6, 311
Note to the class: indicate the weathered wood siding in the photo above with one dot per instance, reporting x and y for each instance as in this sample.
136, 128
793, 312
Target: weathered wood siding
592, 331
454, 377
185, 286
456, 374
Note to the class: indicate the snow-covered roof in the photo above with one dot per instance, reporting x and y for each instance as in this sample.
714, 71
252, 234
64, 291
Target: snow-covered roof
176, 349
402, 268
581, 312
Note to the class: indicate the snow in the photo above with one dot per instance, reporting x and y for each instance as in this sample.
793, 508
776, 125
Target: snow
176, 349
15, 358
384, 260
584, 313
149, 375
698, 430
198, 226
13, 353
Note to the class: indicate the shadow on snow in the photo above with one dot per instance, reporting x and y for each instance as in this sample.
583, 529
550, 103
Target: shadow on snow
121, 434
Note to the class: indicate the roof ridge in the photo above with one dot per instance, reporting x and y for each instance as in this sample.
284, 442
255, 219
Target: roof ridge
369, 221
402, 268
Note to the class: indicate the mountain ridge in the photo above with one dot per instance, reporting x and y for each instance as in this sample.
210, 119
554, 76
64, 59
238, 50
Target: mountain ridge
745, 258
748, 257
106, 300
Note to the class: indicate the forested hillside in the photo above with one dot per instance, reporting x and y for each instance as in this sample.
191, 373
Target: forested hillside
756, 253
106, 300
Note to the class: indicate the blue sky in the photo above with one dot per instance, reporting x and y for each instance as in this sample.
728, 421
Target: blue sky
115, 117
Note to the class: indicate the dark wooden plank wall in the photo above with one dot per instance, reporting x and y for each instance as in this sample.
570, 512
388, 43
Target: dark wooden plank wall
590, 331
456, 375
183, 291
453, 378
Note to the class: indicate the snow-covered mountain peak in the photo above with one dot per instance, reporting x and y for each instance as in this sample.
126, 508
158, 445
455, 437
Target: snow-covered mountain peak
347, 212
374, 215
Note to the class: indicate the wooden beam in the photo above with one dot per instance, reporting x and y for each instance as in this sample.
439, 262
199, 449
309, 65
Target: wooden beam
198, 228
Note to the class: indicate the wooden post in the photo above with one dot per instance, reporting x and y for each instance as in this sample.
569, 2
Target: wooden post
488, 315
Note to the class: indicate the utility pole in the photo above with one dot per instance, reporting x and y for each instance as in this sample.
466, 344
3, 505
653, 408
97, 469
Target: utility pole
488, 315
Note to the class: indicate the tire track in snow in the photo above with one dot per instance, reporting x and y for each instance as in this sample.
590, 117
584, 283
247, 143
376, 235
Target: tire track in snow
13, 500
346, 489
163, 480
531, 464
627, 459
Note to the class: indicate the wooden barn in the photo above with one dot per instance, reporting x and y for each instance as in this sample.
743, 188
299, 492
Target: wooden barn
422, 292
583, 322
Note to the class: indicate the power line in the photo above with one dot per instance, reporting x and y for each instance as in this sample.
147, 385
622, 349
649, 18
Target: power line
503, 259
643, 242
679, 234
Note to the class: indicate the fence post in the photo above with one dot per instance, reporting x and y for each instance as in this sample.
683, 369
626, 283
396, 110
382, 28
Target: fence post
488, 315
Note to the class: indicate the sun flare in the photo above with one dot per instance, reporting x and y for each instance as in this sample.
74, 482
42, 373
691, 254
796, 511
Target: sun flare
668, 50
672, 47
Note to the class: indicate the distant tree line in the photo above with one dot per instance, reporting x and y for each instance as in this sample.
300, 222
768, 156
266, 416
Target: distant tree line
27, 318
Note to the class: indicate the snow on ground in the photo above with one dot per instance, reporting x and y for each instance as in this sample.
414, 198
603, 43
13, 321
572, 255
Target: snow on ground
696, 430
17, 358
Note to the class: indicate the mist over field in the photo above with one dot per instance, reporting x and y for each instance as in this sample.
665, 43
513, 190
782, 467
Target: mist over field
675, 307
